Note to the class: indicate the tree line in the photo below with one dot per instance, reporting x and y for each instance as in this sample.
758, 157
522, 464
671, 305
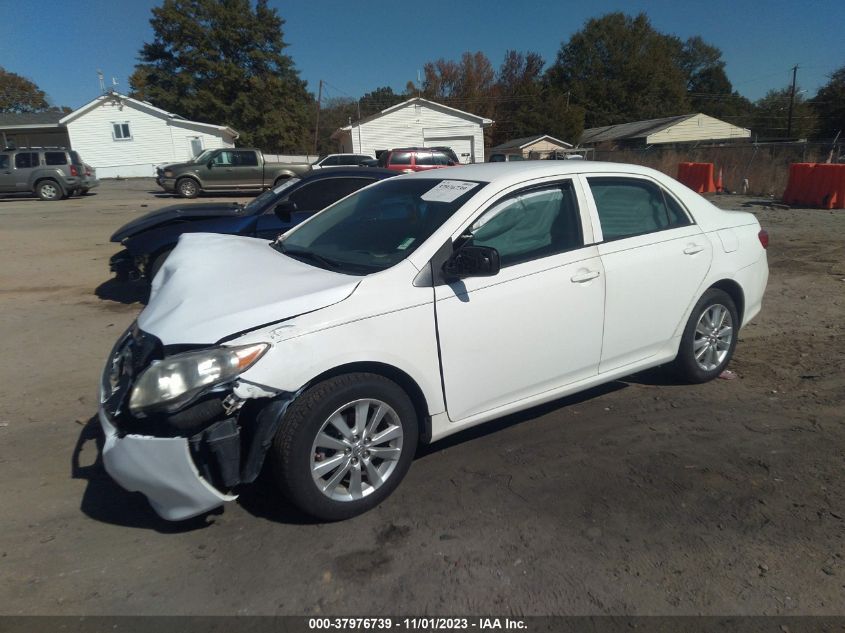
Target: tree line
223, 62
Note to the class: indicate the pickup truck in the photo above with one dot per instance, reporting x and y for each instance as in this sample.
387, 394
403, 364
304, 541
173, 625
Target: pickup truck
226, 169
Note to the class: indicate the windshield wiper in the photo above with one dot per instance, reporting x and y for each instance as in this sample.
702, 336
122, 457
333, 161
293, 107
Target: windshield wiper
303, 254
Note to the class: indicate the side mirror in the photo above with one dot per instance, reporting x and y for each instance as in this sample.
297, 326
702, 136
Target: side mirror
284, 209
472, 261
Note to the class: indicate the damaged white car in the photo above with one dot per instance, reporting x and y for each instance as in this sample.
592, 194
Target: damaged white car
412, 309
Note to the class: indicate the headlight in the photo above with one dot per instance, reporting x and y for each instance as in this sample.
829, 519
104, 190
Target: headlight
173, 382
168, 173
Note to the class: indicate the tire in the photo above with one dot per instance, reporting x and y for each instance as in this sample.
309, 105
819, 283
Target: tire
157, 263
49, 190
356, 479
709, 338
187, 188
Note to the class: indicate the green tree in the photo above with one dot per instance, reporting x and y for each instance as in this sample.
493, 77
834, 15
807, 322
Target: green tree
18, 94
527, 105
378, 100
771, 116
620, 69
335, 113
221, 61
829, 106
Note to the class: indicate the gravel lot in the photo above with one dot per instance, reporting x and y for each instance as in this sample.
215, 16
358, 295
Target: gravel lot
641, 497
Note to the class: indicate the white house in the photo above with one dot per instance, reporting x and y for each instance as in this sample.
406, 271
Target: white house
537, 146
686, 128
123, 137
417, 122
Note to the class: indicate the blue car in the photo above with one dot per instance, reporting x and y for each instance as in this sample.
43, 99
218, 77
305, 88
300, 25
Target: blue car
149, 239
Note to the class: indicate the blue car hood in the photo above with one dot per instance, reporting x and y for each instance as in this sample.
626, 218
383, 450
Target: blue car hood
178, 213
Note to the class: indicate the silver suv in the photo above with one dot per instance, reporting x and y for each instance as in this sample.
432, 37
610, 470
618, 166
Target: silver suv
52, 173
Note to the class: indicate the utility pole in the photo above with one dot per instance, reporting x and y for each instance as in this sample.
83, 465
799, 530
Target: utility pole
791, 101
317, 126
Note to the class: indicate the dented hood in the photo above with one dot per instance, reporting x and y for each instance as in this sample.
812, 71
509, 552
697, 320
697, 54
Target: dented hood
213, 286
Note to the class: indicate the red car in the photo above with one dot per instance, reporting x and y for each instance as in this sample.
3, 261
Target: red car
408, 159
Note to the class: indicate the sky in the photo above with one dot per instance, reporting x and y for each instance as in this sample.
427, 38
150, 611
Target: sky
356, 46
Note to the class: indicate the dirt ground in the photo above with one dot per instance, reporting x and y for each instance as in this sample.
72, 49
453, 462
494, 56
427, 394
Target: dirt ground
641, 497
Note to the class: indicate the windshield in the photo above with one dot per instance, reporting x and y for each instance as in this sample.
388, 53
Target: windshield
379, 226
261, 202
202, 157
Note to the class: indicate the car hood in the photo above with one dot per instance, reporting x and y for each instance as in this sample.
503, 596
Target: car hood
177, 212
215, 286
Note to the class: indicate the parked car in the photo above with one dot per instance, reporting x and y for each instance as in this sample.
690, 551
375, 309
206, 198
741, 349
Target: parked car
89, 179
342, 160
409, 159
229, 169
51, 173
505, 158
149, 239
408, 311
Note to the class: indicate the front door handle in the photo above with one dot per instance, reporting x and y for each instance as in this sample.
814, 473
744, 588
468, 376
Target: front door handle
584, 276
692, 249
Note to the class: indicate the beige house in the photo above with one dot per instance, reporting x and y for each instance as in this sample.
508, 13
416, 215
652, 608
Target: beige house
532, 147
686, 128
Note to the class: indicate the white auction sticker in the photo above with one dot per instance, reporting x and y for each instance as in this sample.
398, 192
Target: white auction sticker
448, 190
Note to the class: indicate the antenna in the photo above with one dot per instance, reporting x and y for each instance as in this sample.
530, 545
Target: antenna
102, 82
419, 83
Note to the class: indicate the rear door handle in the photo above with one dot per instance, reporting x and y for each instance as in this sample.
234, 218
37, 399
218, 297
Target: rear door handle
587, 275
692, 249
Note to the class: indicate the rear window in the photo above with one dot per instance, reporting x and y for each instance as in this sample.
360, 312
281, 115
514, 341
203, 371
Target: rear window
55, 158
400, 158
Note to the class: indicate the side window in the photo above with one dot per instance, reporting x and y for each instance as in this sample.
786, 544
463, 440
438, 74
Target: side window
425, 158
246, 159
318, 195
55, 158
400, 158
630, 206
25, 160
4, 161
348, 160
441, 159
531, 224
224, 158
329, 162
120, 131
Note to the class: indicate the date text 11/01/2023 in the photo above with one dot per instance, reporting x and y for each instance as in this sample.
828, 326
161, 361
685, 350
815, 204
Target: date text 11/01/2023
416, 624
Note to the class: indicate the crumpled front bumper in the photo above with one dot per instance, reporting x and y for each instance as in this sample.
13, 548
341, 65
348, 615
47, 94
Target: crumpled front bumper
162, 469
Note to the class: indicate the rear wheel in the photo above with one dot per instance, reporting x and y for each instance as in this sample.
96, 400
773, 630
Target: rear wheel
49, 190
345, 445
709, 339
188, 188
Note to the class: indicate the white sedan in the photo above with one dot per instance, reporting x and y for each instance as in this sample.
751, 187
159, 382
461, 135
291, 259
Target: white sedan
412, 309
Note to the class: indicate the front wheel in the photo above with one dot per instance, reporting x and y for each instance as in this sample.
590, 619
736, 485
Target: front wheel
188, 188
344, 445
709, 339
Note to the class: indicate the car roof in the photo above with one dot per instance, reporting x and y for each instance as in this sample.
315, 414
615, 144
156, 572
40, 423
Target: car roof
519, 171
348, 172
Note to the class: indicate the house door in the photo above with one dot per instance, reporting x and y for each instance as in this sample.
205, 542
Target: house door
195, 143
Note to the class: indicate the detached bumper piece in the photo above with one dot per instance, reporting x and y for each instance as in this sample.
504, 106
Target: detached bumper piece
162, 469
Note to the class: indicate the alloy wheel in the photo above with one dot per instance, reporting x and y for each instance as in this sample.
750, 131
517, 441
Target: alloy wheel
713, 336
356, 450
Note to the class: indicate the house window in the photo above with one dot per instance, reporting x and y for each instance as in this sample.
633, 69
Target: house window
120, 131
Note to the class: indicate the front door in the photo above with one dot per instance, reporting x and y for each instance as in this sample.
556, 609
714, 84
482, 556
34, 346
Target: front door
7, 176
535, 326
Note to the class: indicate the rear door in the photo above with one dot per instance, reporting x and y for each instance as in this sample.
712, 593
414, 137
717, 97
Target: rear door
535, 326
655, 258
